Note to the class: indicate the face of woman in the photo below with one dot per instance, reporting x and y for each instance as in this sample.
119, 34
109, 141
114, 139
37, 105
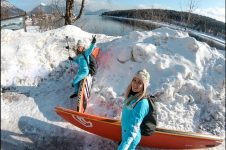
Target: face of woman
80, 48
137, 85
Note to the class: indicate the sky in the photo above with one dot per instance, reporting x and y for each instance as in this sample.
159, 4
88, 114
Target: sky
211, 8
187, 75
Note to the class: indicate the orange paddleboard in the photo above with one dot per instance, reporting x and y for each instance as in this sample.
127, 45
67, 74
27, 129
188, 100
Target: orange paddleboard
162, 138
96, 52
85, 87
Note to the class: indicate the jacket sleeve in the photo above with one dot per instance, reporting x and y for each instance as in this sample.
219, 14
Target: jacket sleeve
138, 113
89, 50
75, 59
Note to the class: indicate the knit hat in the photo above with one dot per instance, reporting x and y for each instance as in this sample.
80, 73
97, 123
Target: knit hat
80, 43
144, 76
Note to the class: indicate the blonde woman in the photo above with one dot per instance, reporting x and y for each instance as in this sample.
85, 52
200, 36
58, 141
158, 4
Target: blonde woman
135, 108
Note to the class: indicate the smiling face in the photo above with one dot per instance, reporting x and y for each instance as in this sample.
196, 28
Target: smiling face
80, 50
137, 85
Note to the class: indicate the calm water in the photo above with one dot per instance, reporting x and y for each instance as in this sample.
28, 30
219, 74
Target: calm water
118, 27
109, 26
14, 24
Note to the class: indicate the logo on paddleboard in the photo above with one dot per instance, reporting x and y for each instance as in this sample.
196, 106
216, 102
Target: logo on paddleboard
81, 120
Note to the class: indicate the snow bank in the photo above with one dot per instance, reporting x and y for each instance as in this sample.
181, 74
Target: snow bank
183, 71
187, 75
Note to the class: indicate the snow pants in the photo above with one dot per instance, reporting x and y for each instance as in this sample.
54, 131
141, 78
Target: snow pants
133, 144
78, 77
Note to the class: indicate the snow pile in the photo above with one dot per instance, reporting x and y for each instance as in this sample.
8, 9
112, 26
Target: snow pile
27, 61
184, 72
187, 75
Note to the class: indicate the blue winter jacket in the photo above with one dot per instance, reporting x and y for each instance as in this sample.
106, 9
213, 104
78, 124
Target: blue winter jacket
131, 121
81, 61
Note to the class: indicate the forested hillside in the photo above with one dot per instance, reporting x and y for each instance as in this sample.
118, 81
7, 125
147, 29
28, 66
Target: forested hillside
197, 22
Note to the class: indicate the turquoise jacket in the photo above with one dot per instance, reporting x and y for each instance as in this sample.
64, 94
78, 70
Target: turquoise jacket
131, 121
81, 61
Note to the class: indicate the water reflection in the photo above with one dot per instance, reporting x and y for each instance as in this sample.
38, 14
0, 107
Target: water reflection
135, 23
111, 26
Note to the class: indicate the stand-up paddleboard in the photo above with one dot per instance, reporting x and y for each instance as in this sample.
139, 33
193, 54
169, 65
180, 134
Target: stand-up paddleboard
96, 52
162, 138
85, 87
84, 93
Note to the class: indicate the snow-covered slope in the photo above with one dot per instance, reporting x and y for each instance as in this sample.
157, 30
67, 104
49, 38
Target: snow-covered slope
187, 75
9, 10
7, 4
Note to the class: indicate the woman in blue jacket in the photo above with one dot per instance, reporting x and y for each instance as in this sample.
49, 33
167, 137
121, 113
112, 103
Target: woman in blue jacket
135, 108
83, 69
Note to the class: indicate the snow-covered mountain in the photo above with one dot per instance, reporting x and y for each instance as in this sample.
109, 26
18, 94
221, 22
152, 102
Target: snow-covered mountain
48, 9
7, 4
43, 8
9, 10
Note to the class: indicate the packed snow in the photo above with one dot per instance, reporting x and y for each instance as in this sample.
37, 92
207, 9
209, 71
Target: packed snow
188, 76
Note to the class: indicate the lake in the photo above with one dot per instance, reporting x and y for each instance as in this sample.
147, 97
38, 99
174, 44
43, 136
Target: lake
113, 26
13, 24
110, 26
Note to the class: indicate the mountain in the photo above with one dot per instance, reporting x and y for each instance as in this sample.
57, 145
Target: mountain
48, 9
43, 8
8, 10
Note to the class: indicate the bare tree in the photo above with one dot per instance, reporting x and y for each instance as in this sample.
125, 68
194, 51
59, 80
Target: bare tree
152, 12
188, 6
69, 16
192, 6
58, 5
181, 11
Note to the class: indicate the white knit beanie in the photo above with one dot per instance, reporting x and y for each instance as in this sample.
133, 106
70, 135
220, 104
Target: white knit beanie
144, 76
80, 43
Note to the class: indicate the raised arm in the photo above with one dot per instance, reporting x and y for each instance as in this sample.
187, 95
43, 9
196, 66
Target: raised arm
90, 49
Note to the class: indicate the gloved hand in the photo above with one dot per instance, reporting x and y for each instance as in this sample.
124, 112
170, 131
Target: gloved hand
72, 85
94, 39
70, 58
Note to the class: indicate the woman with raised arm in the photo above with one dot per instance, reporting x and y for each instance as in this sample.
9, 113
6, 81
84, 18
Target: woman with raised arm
82, 60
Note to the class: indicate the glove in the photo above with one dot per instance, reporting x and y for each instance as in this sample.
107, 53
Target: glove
94, 40
67, 47
72, 85
70, 58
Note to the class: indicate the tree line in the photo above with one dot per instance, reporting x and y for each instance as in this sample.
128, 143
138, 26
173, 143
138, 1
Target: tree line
184, 19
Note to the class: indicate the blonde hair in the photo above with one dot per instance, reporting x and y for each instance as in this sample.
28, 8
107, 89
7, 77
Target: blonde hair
77, 52
139, 95
145, 77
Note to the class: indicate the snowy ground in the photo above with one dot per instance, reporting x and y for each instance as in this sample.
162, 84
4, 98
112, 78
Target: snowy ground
217, 41
188, 75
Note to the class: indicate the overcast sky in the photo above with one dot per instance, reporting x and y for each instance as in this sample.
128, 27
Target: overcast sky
211, 8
